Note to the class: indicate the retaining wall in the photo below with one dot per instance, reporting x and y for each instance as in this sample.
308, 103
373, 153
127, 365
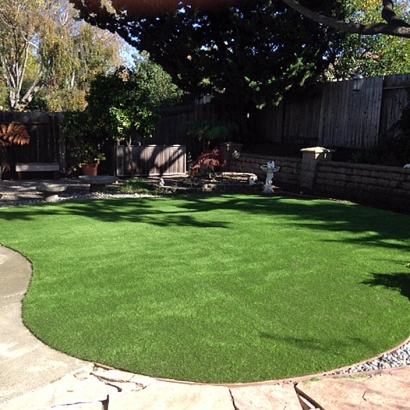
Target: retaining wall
379, 186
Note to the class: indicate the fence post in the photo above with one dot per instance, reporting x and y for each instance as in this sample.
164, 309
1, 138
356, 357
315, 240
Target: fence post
310, 158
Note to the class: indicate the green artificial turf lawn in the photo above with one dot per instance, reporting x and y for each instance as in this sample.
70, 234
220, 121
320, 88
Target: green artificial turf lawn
215, 289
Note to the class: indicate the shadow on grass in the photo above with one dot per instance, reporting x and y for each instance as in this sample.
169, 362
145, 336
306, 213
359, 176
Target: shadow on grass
309, 213
395, 281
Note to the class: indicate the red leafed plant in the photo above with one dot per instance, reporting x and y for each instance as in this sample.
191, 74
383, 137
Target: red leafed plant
208, 161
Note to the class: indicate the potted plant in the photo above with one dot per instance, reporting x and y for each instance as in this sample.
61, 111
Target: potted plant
87, 158
84, 146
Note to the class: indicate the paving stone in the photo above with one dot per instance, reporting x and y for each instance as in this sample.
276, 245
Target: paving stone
66, 391
173, 396
387, 391
123, 387
86, 406
122, 376
278, 397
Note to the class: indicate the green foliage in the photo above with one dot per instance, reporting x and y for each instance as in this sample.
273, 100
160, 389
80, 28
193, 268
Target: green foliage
119, 104
373, 55
127, 100
83, 144
207, 130
245, 55
48, 57
139, 186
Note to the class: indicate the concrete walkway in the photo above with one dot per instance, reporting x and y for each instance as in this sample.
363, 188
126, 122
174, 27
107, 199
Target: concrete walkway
34, 377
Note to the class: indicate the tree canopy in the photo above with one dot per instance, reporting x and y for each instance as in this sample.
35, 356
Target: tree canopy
122, 105
391, 24
47, 58
372, 55
245, 53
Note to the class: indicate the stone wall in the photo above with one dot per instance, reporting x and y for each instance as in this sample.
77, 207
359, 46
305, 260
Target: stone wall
288, 176
381, 186
316, 173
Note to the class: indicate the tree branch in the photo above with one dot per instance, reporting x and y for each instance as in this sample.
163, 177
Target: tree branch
393, 26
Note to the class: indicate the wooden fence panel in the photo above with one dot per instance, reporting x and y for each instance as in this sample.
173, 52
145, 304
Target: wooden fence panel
170, 129
302, 120
396, 97
150, 160
333, 115
351, 119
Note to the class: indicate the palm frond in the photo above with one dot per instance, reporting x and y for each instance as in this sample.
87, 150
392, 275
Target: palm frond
14, 134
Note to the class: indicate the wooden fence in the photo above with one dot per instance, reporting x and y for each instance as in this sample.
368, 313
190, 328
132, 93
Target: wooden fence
330, 115
333, 115
46, 141
150, 160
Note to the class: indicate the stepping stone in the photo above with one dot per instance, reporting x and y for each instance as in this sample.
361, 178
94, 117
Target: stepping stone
175, 396
266, 397
388, 391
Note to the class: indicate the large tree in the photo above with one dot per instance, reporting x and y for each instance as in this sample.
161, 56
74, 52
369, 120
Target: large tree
391, 24
242, 52
42, 48
372, 55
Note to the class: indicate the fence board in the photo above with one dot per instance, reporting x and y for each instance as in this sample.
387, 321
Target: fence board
396, 97
363, 118
335, 105
150, 160
302, 120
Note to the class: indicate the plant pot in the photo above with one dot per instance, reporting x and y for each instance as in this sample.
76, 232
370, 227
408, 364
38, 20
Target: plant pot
90, 169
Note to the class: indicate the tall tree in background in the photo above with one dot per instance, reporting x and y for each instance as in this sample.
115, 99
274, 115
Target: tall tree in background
45, 52
391, 22
21, 26
124, 104
373, 55
245, 53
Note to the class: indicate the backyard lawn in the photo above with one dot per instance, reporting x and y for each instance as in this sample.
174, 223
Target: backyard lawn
215, 289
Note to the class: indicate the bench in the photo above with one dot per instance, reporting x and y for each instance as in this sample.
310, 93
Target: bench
37, 167
50, 191
97, 182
